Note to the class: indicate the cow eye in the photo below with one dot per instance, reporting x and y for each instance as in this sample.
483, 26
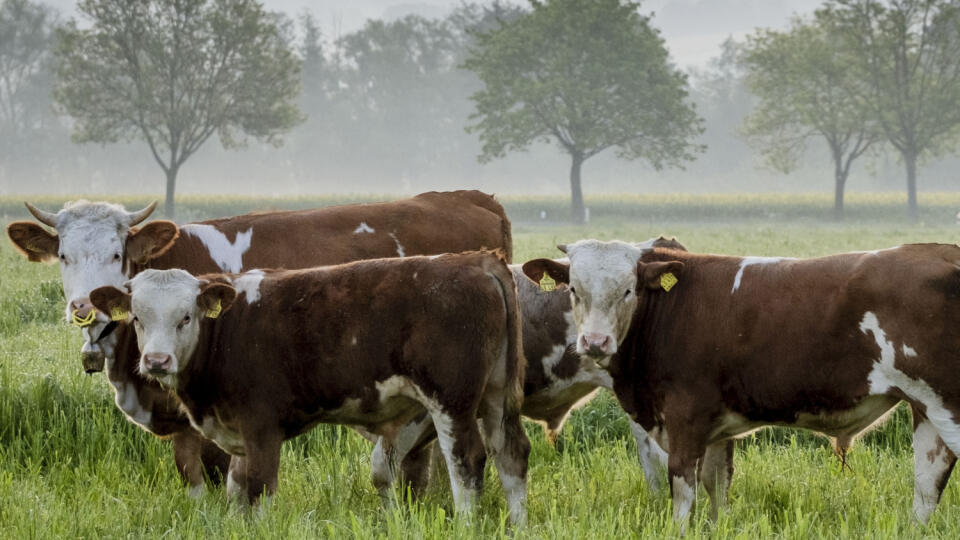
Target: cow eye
116, 256
63, 257
626, 294
136, 319
573, 290
184, 322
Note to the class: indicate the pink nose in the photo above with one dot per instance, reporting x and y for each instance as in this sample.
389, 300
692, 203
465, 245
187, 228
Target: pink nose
596, 344
157, 362
81, 307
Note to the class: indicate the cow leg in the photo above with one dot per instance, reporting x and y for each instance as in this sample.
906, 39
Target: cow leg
411, 452
463, 451
932, 464
187, 450
255, 474
216, 462
507, 441
653, 459
715, 474
687, 448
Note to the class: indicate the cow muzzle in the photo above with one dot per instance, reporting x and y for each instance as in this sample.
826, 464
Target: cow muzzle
596, 345
157, 363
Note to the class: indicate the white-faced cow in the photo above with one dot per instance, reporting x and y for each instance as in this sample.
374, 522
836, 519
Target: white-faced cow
370, 343
706, 348
558, 380
99, 244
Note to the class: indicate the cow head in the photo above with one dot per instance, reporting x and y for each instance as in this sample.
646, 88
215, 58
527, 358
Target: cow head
608, 281
96, 245
165, 307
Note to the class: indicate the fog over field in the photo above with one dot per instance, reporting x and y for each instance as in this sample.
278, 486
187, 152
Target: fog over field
409, 135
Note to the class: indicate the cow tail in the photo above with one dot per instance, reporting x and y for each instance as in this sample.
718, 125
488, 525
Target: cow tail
516, 362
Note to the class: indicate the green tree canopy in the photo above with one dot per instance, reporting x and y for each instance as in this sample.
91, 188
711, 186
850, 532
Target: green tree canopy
587, 75
807, 87
174, 72
908, 53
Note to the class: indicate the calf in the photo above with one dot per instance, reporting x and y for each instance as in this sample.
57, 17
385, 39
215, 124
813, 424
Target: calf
371, 343
100, 244
706, 348
558, 380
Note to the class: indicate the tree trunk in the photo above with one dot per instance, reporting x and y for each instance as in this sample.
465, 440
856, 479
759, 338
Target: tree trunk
839, 185
576, 193
910, 157
171, 187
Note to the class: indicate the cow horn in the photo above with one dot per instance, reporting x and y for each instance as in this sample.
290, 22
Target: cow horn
47, 218
562, 247
140, 215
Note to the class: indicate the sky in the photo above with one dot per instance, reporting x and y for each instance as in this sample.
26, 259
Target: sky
693, 29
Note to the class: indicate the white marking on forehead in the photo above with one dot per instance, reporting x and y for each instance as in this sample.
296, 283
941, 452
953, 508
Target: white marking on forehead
400, 252
249, 285
363, 228
227, 255
751, 261
596, 264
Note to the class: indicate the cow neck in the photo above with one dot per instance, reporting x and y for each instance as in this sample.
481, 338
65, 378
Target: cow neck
199, 382
121, 366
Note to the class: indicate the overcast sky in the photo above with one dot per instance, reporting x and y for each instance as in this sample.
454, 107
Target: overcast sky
693, 28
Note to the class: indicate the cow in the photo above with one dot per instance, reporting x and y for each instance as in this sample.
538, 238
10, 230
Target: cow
371, 343
100, 244
558, 380
706, 348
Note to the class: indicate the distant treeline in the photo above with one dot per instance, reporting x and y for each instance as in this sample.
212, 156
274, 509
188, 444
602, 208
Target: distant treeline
936, 208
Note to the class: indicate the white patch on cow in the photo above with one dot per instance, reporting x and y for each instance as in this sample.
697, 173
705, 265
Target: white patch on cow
229, 440
382, 471
249, 285
931, 461
909, 351
197, 491
515, 487
415, 275
751, 261
228, 256
128, 401
885, 376
363, 228
353, 340
400, 252
464, 498
234, 489
684, 495
653, 459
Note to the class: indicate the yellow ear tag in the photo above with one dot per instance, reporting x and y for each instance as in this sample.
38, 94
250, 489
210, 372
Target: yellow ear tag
547, 283
214, 312
118, 314
668, 280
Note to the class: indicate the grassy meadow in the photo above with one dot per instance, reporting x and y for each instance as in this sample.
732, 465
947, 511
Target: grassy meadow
71, 466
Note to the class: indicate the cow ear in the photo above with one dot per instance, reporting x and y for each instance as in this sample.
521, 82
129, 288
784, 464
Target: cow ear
535, 269
659, 275
216, 298
151, 241
112, 301
35, 242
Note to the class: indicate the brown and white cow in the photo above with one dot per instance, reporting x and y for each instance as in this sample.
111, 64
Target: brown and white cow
99, 244
706, 348
558, 380
370, 343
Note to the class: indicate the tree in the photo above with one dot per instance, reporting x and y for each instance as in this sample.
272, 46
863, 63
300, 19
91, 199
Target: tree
909, 54
26, 35
807, 87
588, 75
174, 72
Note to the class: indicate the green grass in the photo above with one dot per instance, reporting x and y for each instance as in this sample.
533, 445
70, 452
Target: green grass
72, 466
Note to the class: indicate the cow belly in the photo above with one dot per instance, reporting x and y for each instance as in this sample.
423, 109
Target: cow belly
841, 424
